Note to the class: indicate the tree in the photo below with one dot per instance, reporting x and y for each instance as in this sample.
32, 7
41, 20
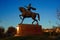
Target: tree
1, 32
11, 31
58, 16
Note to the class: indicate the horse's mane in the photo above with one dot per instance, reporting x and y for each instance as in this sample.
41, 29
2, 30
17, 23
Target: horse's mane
22, 8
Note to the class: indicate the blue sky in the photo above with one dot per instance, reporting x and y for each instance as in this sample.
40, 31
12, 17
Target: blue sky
9, 12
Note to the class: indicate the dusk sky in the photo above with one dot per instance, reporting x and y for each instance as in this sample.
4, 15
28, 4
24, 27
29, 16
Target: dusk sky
9, 12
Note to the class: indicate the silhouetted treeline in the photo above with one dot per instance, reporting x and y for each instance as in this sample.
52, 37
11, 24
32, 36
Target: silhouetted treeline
2, 32
11, 31
51, 34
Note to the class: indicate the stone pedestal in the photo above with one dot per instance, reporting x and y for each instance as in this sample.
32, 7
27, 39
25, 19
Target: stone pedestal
29, 29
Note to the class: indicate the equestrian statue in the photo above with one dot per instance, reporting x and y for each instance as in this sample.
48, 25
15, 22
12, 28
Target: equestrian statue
27, 13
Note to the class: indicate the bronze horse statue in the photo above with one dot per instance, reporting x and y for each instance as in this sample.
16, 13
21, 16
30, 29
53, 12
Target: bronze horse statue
28, 14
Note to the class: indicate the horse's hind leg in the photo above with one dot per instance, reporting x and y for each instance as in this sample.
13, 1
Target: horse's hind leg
22, 21
34, 20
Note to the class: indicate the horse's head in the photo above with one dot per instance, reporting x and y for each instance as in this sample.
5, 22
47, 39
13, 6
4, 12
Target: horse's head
22, 9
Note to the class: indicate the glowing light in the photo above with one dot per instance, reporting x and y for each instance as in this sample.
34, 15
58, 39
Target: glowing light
57, 30
17, 30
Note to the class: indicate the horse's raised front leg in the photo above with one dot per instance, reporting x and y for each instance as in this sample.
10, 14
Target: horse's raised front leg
22, 21
20, 16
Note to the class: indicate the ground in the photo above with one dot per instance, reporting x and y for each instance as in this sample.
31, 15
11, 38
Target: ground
30, 38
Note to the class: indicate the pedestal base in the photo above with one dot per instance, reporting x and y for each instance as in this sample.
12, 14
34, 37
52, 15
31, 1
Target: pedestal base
29, 29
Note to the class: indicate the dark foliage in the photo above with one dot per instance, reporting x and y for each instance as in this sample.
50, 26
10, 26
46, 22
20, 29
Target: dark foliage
11, 31
2, 32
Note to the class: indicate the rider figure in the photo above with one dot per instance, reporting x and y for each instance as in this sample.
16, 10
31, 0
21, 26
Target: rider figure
29, 8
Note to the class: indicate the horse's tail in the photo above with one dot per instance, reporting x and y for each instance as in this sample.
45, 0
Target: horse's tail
38, 16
